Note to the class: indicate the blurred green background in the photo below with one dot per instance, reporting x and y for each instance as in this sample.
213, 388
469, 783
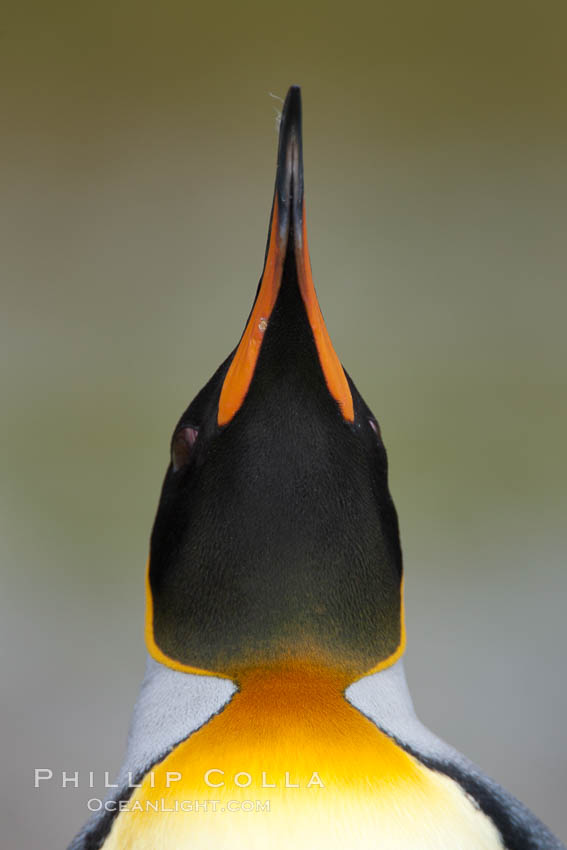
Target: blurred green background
137, 165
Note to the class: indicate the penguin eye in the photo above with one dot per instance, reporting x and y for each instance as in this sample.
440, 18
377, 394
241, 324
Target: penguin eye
375, 427
182, 447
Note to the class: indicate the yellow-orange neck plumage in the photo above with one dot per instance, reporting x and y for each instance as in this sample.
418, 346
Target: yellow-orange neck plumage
290, 763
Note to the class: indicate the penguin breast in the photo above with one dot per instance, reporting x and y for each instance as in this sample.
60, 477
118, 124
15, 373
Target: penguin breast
289, 763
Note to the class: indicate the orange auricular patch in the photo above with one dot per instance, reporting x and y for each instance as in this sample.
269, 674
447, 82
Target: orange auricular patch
401, 648
155, 650
241, 370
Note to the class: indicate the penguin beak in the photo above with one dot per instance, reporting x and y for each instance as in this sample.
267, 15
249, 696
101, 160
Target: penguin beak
287, 233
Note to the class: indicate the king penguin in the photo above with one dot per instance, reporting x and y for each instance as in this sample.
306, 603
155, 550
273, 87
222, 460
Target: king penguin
274, 712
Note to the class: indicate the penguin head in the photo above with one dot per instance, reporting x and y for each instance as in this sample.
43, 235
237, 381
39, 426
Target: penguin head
276, 539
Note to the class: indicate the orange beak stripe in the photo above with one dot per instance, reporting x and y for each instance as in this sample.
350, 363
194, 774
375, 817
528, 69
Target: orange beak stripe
335, 377
241, 370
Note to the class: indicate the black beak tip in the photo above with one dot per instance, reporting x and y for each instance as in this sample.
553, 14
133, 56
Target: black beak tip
292, 105
289, 178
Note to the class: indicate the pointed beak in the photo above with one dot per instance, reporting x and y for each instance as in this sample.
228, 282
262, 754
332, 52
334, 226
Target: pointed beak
289, 174
287, 223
